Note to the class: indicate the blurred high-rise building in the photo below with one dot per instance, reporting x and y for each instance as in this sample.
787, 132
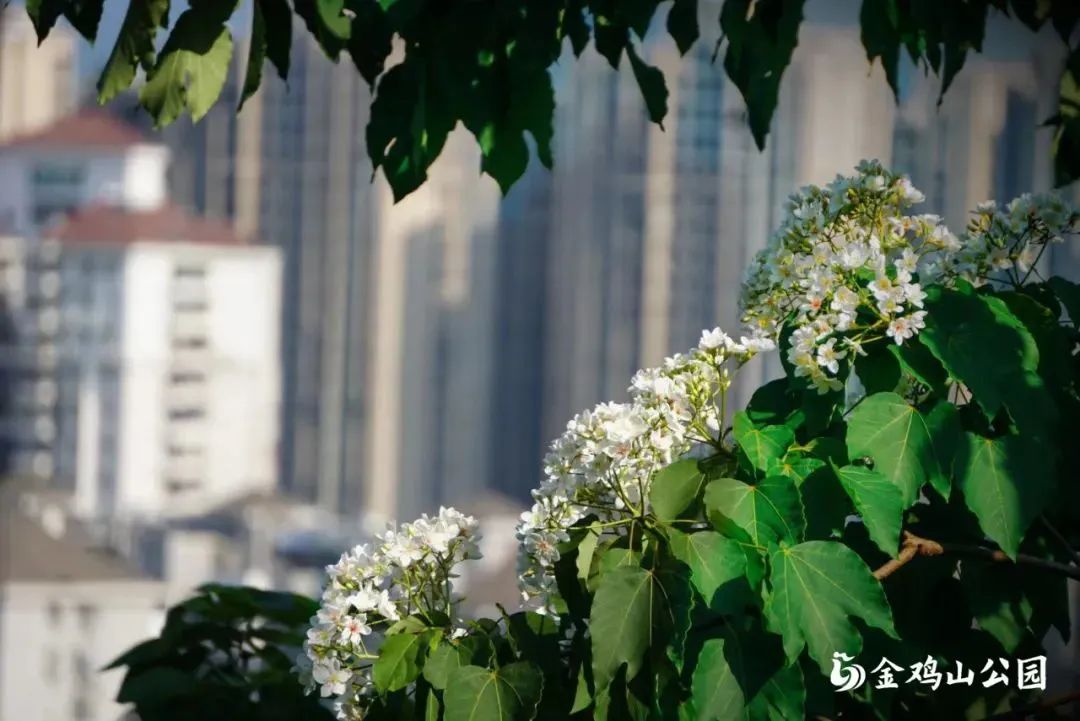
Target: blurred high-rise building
433, 345
315, 203
37, 84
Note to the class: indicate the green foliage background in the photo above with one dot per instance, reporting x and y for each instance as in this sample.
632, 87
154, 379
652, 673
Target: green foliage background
486, 63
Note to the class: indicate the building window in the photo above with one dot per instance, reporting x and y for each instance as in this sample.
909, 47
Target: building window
56, 189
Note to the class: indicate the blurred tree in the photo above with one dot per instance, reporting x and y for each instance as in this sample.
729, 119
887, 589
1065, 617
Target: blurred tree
485, 63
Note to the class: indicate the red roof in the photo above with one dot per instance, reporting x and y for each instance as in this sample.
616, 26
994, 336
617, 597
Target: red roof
110, 225
86, 129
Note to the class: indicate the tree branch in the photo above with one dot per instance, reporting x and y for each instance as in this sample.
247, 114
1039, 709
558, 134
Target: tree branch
1060, 538
915, 546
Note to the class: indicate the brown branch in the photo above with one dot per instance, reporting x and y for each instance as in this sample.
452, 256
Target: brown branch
915, 546
1024, 711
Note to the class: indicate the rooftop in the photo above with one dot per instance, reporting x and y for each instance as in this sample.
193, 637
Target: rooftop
111, 225
87, 129
50, 547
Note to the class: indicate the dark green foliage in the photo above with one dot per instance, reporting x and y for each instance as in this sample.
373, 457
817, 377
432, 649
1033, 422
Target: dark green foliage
486, 64
224, 654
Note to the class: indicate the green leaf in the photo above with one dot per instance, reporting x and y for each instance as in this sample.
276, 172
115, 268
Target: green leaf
878, 370
653, 87
717, 568
634, 609
443, 660
943, 421
761, 36
960, 327
327, 22
256, 55
715, 690
191, 70
398, 663
767, 512
889, 430
84, 16
508, 693
371, 38
881, 38
797, 468
408, 126
878, 501
675, 488
134, 46
762, 445
155, 686
817, 587
682, 24
1069, 295
1006, 482
742, 674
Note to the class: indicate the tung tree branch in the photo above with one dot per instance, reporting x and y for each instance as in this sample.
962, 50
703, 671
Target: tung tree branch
915, 546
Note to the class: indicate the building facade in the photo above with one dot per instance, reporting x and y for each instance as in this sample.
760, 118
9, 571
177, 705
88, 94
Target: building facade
37, 84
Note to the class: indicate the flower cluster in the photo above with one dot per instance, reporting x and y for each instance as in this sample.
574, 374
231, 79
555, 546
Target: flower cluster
843, 271
1005, 244
407, 571
602, 464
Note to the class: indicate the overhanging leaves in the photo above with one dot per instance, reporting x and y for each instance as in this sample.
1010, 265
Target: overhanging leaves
191, 70
761, 36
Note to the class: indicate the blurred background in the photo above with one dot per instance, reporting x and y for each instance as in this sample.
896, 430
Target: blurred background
227, 355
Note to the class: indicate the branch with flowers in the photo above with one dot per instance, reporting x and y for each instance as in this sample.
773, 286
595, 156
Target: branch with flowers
685, 559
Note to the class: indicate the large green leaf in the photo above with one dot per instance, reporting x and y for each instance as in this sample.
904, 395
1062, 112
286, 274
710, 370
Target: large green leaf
508, 693
1006, 482
763, 445
742, 674
134, 46
399, 661
443, 660
191, 70
715, 690
766, 512
895, 435
761, 36
717, 567
960, 328
878, 501
634, 609
675, 488
816, 587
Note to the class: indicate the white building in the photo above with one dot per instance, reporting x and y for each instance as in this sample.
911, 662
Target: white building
154, 334
166, 362
67, 608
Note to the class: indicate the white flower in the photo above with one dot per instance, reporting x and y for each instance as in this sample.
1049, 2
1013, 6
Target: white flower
829, 357
332, 677
353, 629
712, 339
